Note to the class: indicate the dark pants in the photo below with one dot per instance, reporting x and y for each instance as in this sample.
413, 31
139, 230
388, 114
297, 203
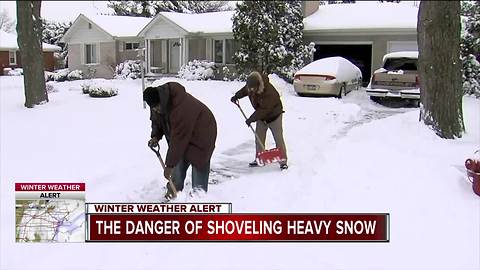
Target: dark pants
199, 176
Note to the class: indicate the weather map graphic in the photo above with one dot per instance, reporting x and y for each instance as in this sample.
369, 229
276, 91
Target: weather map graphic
50, 220
49, 212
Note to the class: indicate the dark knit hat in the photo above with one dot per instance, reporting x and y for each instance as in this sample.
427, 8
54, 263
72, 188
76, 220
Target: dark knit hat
151, 96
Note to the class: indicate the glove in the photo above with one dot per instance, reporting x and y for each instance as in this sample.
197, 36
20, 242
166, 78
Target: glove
234, 99
153, 142
248, 122
167, 173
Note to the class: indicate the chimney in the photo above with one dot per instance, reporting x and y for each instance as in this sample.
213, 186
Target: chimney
309, 7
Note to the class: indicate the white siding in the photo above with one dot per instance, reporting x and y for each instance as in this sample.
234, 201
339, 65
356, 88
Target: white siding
163, 29
82, 34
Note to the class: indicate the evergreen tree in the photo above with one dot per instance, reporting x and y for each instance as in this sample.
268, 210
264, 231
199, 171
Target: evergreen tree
151, 8
270, 35
52, 34
470, 47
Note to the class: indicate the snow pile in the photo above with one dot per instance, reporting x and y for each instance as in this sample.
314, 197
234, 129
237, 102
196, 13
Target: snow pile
13, 72
129, 69
197, 70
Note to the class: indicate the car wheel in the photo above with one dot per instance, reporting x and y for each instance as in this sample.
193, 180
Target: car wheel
300, 94
342, 92
375, 99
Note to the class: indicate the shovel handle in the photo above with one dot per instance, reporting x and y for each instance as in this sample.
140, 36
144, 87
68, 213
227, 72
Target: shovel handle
251, 128
157, 152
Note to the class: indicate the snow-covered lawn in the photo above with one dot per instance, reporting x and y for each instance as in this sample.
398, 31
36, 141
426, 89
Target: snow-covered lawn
348, 155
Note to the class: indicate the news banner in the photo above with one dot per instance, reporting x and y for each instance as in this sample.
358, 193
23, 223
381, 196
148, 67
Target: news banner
57, 212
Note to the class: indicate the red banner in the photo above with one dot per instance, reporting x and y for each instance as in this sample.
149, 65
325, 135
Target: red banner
49, 187
238, 227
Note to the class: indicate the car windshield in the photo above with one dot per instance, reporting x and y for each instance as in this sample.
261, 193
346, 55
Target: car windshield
392, 64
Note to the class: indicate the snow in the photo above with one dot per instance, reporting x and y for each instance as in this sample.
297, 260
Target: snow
338, 67
349, 155
210, 22
119, 26
363, 15
8, 41
402, 54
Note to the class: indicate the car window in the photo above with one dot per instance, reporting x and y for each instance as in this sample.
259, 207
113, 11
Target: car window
400, 64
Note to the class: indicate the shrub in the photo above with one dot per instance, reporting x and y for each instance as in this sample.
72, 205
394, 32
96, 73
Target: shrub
197, 70
96, 90
50, 88
62, 75
129, 69
75, 75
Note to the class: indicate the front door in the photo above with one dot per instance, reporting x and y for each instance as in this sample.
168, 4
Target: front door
174, 55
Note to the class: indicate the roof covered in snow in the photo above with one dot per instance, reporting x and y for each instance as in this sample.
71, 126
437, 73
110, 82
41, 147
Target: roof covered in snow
8, 41
120, 26
362, 16
210, 22
115, 26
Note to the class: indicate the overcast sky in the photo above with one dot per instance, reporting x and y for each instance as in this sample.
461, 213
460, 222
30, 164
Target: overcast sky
63, 11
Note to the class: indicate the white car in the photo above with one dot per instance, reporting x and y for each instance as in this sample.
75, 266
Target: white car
398, 78
332, 76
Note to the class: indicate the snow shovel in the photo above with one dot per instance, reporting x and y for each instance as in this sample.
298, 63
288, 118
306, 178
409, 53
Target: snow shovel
265, 156
157, 152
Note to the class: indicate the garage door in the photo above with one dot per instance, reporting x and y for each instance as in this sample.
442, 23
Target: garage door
359, 54
396, 46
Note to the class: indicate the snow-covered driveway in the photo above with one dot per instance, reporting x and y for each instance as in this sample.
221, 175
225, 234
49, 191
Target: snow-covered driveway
348, 155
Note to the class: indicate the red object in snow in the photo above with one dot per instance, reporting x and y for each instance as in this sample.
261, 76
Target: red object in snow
473, 174
269, 156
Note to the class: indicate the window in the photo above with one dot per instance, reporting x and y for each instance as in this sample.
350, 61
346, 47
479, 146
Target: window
90, 53
218, 51
224, 50
230, 48
132, 45
89, 26
12, 57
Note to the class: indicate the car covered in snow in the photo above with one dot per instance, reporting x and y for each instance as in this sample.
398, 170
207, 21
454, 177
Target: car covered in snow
332, 76
398, 78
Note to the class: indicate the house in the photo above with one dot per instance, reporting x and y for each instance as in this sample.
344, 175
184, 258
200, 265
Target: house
10, 54
361, 32
96, 44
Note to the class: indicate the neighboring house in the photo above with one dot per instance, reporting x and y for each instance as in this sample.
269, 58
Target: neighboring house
172, 39
96, 44
361, 32
10, 54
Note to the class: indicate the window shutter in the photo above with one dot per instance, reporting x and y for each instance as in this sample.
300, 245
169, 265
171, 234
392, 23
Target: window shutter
98, 53
82, 54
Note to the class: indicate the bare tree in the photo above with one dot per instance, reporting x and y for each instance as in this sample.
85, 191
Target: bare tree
440, 67
7, 24
29, 30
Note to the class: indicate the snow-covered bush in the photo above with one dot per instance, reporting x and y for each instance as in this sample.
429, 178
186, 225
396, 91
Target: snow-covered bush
50, 88
75, 75
197, 70
100, 90
470, 47
230, 74
63, 75
129, 69
14, 72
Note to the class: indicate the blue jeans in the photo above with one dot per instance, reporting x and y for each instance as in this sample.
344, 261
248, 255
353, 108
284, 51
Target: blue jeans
199, 176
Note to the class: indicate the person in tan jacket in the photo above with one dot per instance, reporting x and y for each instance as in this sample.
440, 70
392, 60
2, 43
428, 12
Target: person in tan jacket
268, 112
189, 128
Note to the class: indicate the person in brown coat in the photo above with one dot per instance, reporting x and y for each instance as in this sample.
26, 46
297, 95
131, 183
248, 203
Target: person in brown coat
190, 130
268, 112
